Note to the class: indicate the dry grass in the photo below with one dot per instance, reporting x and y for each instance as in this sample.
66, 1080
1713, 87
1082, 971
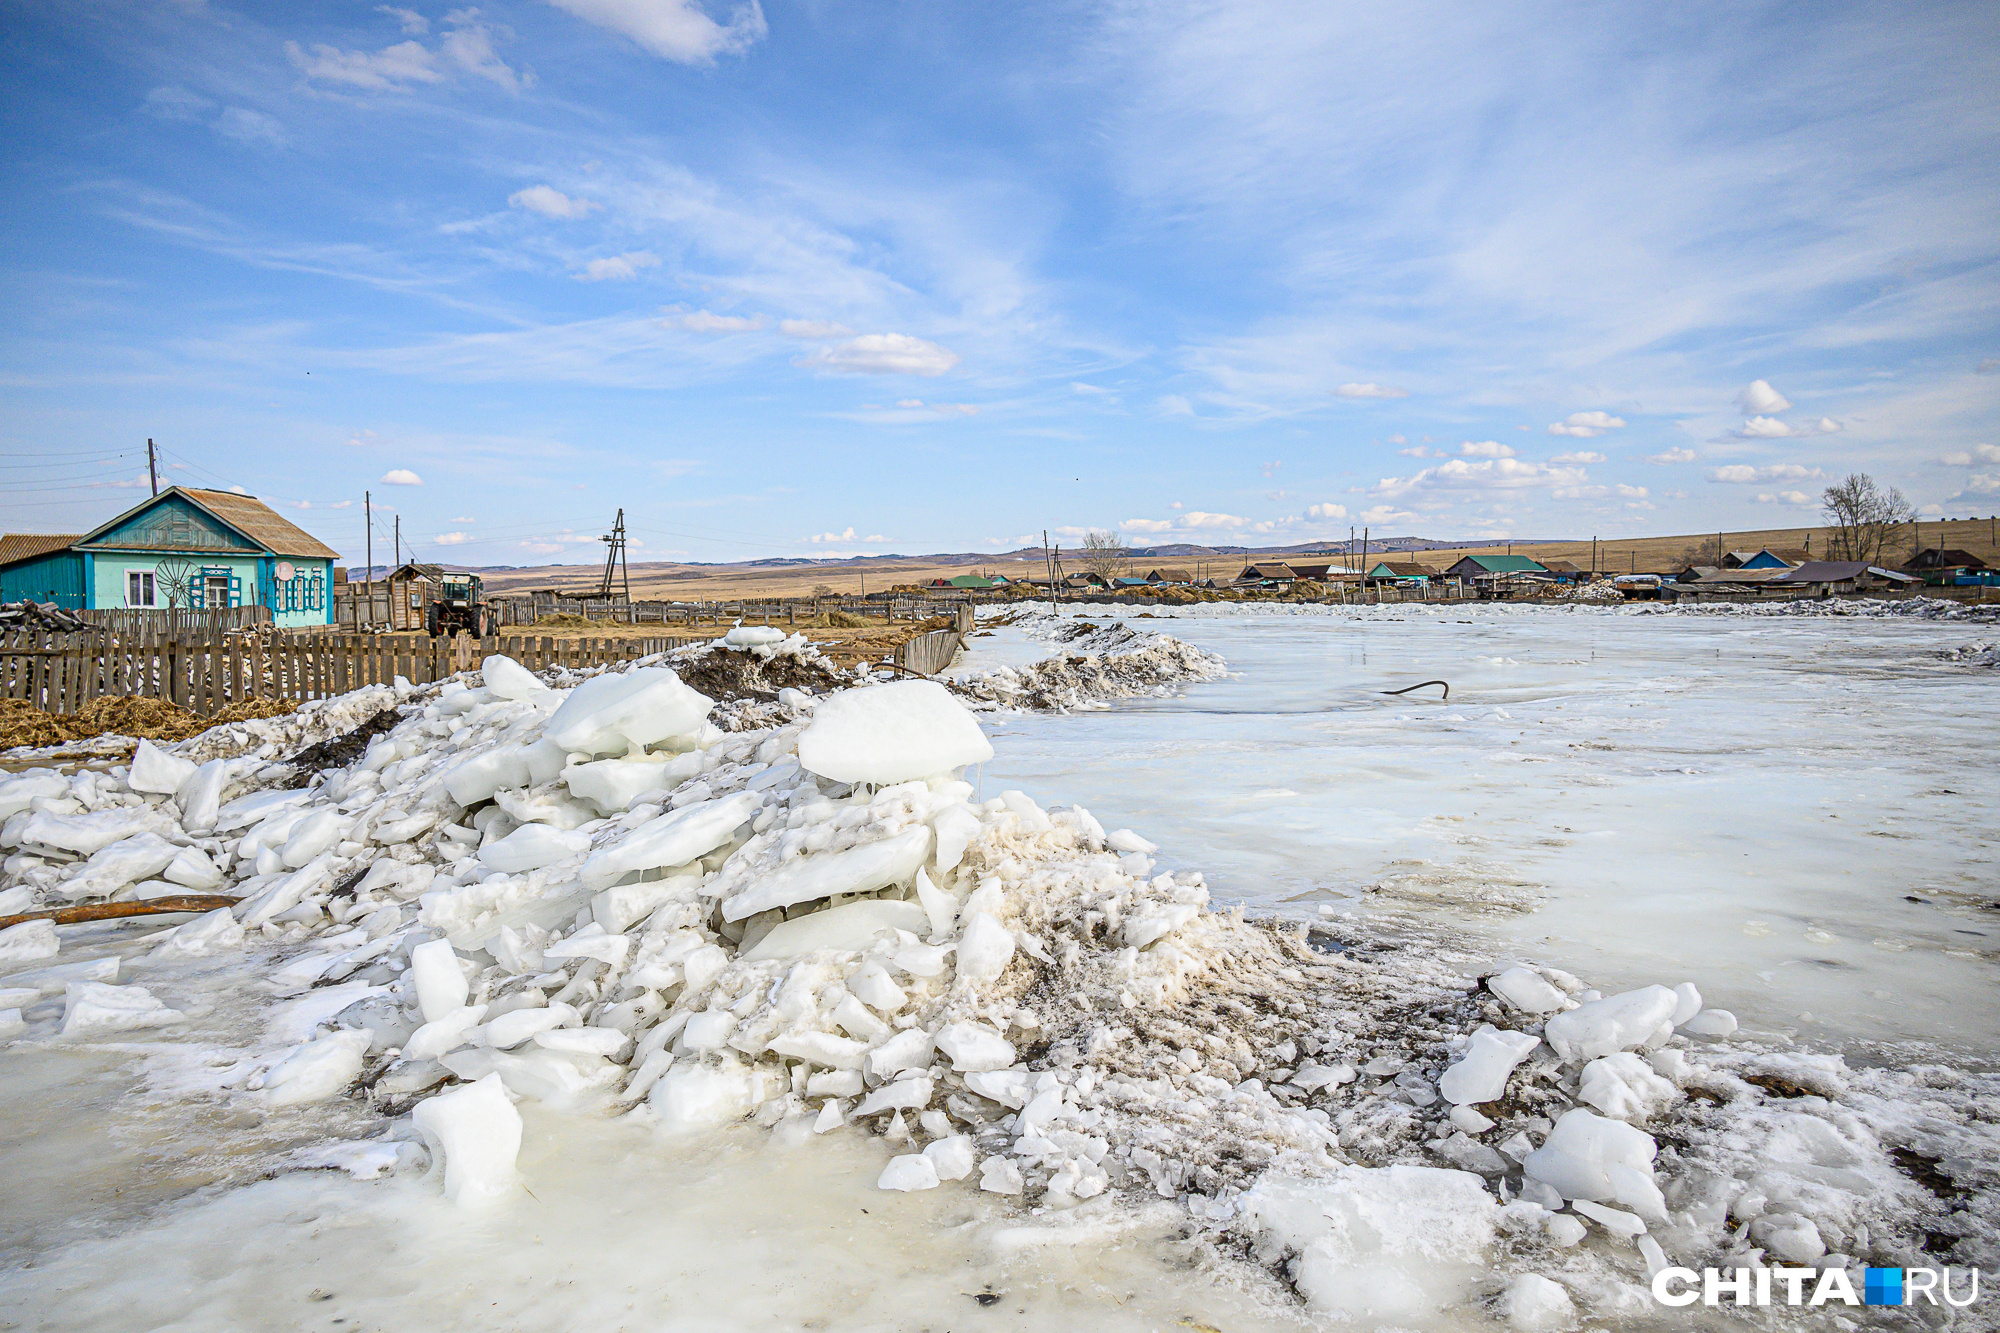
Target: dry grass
21, 723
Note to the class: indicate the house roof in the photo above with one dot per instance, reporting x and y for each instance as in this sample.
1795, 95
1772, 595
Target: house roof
1269, 571
1836, 571
28, 545
1561, 567
1791, 555
417, 570
1403, 569
1945, 558
1505, 564
246, 514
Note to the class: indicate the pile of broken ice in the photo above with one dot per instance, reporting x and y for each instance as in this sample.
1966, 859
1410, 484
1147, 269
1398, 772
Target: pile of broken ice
595, 899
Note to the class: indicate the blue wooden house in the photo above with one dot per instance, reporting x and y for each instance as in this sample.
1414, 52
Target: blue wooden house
187, 547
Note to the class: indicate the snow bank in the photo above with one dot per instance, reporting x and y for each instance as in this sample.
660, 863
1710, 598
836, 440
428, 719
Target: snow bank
812, 924
1098, 665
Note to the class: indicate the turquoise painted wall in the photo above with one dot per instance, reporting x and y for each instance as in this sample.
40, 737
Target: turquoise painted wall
107, 585
54, 578
306, 600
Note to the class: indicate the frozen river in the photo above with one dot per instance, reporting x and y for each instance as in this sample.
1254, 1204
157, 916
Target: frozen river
1796, 813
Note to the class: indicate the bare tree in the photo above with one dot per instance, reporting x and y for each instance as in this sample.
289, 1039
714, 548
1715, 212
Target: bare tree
1862, 517
1104, 554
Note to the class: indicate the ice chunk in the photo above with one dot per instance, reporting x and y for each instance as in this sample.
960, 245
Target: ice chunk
17, 793
850, 926
1378, 1244
822, 1048
1481, 1074
519, 1025
314, 834
192, 869
507, 679
1615, 1023
88, 834
1614, 1220
1534, 1304
1469, 1120
95, 1006
445, 1034
206, 934
953, 1156
912, 1171
974, 1048
956, 827
1711, 1023
873, 987
28, 941
200, 796
999, 1175
862, 869
440, 979
532, 846
1527, 990
1577, 1158
1690, 1003
582, 1041
708, 1030
940, 907
1625, 1087
255, 808
891, 733
1789, 1236
616, 784
478, 776
1009, 1087
477, 1132
753, 636
985, 949
317, 1070
693, 1096
673, 840
1125, 840
154, 770
623, 906
619, 713
124, 862
908, 1049
906, 1094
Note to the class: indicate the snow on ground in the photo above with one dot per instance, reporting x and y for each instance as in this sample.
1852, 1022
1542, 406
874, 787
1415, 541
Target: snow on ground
581, 939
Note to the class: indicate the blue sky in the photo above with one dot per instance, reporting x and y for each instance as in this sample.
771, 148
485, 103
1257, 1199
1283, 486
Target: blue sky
834, 279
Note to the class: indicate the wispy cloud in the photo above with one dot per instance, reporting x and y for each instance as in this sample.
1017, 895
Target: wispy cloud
1586, 425
618, 268
883, 354
1370, 391
1743, 473
675, 29
550, 202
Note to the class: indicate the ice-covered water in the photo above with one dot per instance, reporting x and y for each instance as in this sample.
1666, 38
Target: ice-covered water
1794, 812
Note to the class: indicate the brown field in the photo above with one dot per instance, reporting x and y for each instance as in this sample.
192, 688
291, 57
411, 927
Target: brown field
850, 578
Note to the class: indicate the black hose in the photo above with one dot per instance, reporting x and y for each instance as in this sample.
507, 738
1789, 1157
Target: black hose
1420, 684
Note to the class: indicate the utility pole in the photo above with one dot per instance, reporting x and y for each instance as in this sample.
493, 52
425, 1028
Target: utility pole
368, 519
399, 543
153, 465
614, 560
1364, 562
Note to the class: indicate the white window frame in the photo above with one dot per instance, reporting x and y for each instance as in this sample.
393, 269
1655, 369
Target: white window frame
143, 580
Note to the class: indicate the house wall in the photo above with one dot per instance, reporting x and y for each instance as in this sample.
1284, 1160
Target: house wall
307, 599
56, 577
108, 570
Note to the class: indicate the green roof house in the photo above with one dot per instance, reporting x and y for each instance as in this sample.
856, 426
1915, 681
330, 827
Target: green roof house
1474, 566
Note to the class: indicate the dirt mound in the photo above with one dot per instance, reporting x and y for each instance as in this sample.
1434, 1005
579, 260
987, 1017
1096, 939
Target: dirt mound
21, 723
727, 673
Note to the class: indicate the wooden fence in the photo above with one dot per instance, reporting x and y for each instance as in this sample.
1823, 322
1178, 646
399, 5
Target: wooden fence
128, 621
526, 611
932, 652
207, 672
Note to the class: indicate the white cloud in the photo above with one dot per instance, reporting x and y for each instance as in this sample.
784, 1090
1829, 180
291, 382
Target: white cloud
541, 548
1768, 428
413, 23
1980, 483
1370, 391
1386, 514
1485, 449
618, 268
1193, 520
1399, 439
550, 202
252, 127
676, 29
451, 538
238, 490
882, 354
393, 66
1982, 453
1672, 456
1828, 426
1421, 451
1758, 398
465, 518
812, 328
703, 321
469, 45
940, 409
1327, 511
821, 538
1580, 456
1489, 474
1586, 425
1786, 498
1146, 525
1743, 473
401, 476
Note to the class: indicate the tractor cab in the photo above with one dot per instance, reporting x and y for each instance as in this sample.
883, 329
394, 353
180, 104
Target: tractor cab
460, 606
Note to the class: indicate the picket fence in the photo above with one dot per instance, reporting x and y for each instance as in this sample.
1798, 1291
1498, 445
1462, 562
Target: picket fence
207, 672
